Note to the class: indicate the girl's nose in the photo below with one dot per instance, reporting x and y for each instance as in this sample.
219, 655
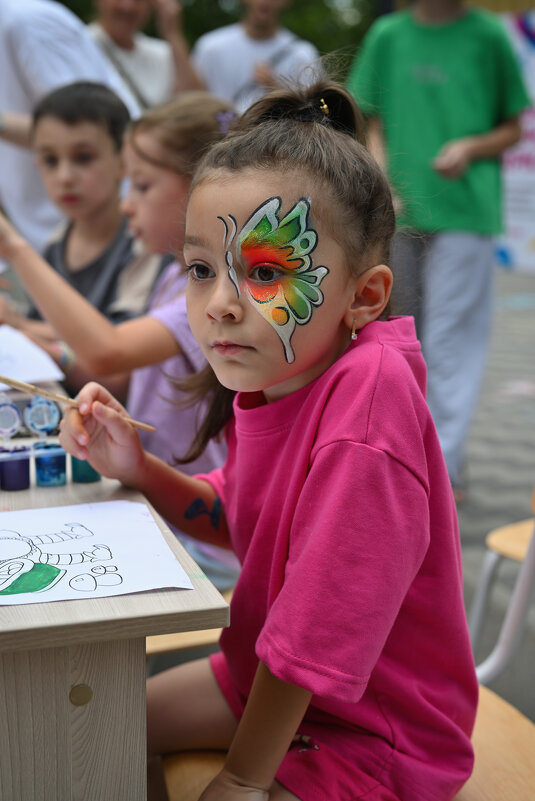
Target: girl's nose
126, 205
225, 301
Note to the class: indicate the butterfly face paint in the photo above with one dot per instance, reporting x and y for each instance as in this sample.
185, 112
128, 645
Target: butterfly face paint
283, 247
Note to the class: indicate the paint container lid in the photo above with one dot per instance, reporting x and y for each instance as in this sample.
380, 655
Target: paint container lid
42, 448
10, 419
13, 454
41, 415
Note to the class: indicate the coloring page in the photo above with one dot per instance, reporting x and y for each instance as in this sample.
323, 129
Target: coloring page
84, 551
23, 360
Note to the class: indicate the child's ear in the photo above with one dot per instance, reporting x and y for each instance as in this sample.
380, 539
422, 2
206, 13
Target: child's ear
372, 292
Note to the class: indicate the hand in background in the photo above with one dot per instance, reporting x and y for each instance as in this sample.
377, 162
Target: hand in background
168, 17
264, 76
454, 158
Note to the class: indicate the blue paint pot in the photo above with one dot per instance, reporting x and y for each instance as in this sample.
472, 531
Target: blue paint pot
41, 415
82, 472
15, 468
50, 464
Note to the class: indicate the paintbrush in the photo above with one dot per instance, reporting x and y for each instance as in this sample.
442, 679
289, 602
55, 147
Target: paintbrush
32, 390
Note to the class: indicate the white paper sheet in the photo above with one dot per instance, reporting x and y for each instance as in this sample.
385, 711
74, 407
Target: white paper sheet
84, 551
23, 360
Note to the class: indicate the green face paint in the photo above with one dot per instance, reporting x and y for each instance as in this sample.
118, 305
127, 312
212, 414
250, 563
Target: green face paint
279, 279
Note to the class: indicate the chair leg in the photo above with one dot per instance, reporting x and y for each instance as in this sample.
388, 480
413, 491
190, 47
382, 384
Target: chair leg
513, 623
481, 595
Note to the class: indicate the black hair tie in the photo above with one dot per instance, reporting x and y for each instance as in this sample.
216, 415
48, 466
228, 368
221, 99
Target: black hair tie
312, 113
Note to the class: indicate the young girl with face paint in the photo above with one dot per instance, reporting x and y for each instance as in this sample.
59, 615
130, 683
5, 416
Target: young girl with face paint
347, 670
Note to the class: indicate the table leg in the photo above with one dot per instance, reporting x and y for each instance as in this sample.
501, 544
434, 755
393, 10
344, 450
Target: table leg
73, 723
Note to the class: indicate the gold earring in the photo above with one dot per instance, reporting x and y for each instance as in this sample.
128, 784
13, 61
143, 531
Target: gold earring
354, 334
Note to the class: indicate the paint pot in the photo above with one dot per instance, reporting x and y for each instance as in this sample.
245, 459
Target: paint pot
50, 464
82, 472
41, 415
14, 461
15, 468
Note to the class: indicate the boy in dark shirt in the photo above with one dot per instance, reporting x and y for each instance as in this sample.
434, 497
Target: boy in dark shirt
77, 137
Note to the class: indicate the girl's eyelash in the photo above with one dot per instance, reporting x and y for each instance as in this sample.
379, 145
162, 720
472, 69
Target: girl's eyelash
190, 271
276, 272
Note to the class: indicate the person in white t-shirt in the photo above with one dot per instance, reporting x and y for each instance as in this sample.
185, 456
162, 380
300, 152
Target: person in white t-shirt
154, 69
43, 46
241, 62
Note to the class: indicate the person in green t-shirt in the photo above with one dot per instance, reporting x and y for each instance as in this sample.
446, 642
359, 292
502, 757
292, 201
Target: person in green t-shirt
442, 90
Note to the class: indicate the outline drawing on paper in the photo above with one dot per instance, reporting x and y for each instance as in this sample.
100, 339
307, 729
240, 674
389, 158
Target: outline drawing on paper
37, 563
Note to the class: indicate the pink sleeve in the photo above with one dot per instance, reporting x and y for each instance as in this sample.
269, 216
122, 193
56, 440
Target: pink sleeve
359, 535
216, 479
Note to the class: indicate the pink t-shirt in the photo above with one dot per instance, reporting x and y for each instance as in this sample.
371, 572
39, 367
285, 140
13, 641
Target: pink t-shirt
341, 513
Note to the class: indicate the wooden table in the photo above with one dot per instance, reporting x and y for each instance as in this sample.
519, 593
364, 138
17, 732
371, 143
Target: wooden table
72, 695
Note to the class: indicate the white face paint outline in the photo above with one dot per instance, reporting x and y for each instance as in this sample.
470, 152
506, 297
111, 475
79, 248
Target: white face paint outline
227, 242
301, 281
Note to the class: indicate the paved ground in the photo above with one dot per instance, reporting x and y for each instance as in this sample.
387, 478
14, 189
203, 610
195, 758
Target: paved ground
501, 471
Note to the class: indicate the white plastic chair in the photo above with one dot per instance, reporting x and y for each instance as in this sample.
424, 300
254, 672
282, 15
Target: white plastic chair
517, 542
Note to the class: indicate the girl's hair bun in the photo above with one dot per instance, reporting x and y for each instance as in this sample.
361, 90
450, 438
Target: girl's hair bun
325, 102
343, 113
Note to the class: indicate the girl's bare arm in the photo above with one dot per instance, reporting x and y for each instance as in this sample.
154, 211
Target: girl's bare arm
271, 718
190, 504
98, 432
101, 347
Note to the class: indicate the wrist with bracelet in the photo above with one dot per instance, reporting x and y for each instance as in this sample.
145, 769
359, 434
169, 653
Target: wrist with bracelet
66, 356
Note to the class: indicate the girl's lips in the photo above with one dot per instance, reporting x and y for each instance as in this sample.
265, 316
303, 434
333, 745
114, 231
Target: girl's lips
229, 348
69, 199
